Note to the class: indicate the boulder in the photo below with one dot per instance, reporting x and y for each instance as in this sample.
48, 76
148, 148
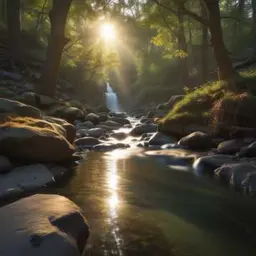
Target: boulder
57, 171
70, 129
96, 132
42, 225
103, 117
196, 141
235, 173
231, 146
87, 125
34, 99
160, 139
104, 127
111, 124
120, 120
87, 142
146, 120
68, 113
143, 128
5, 164
249, 151
15, 108
95, 119
40, 123
249, 183
209, 163
24, 178
119, 135
21, 141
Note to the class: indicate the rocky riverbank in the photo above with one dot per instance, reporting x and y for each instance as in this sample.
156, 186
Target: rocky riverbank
41, 141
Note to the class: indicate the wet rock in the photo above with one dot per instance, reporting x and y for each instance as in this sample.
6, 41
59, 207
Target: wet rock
160, 139
34, 143
127, 126
109, 146
208, 164
196, 141
111, 124
43, 225
58, 171
5, 164
95, 119
143, 128
150, 114
87, 125
120, 120
87, 142
71, 114
24, 178
34, 99
106, 128
119, 135
96, 132
249, 151
231, 146
234, 173
249, 183
147, 120
103, 117
81, 133
15, 108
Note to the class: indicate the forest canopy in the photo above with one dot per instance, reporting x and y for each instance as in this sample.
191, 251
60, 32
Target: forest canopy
136, 45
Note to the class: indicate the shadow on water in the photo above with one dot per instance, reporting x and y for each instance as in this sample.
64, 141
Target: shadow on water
137, 207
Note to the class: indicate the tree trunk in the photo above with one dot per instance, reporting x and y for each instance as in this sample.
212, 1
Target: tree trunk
254, 25
226, 71
204, 48
183, 62
237, 21
14, 34
56, 43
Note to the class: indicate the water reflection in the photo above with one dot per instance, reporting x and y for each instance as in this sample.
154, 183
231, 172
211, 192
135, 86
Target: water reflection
113, 203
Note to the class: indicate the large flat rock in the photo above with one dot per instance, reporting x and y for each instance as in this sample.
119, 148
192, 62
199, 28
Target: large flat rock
42, 225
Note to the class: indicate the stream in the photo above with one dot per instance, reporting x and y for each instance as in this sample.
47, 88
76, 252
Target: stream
136, 205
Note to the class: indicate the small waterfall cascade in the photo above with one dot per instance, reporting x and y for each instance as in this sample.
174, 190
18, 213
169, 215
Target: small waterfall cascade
112, 99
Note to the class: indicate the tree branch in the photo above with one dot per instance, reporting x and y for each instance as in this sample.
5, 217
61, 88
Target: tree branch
185, 11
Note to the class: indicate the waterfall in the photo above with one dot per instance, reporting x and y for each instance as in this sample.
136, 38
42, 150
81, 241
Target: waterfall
112, 100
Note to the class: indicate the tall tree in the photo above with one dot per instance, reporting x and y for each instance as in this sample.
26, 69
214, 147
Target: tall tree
237, 21
204, 47
56, 43
14, 33
226, 71
183, 47
253, 3
213, 21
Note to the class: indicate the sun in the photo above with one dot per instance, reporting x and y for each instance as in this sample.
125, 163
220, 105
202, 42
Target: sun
107, 31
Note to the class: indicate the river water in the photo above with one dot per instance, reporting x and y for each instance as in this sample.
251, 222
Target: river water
137, 206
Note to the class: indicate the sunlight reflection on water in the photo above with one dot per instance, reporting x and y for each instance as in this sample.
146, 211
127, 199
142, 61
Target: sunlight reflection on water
113, 202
